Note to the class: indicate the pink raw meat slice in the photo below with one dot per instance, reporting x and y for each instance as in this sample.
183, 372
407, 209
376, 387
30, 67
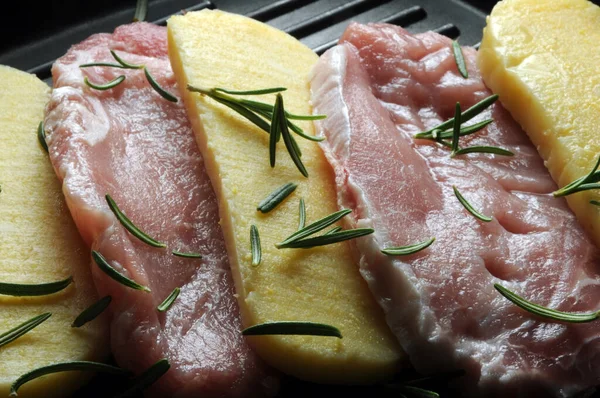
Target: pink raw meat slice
379, 88
131, 143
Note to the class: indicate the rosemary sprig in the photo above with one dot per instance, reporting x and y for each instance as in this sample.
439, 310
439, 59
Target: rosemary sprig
186, 255
41, 134
317, 226
255, 245
146, 379
302, 214
465, 116
64, 367
460, 59
276, 197
163, 93
92, 312
293, 328
546, 312
141, 10
18, 331
484, 149
126, 222
326, 239
38, 289
122, 63
113, 83
114, 274
168, 302
587, 182
271, 90
409, 249
470, 208
456, 129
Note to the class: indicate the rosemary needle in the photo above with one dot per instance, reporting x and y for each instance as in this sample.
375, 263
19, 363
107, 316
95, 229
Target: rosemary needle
114, 274
456, 129
484, 149
276, 197
102, 64
416, 392
92, 312
255, 246
168, 302
409, 249
316, 226
186, 255
275, 131
18, 331
326, 239
595, 202
146, 379
293, 328
272, 90
333, 230
64, 367
126, 222
113, 83
123, 63
163, 93
289, 141
39, 289
546, 312
470, 208
302, 214
41, 134
460, 59
587, 182
141, 10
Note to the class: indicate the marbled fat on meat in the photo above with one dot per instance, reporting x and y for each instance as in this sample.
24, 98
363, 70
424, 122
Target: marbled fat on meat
379, 87
134, 145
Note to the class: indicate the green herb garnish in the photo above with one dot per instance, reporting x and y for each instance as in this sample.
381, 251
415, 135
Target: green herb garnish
439, 136
163, 93
40, 289
126, 222
409, 249
146, 379
64, 367
186, 255
302, 214
333, 230
272, 90
92, 312
585, 183
168, 302
460, 59
141, 10
275, 130
595, 202
41, 134
470, 208
122, 63
292, 328
255, 245
276, 197
114, 274
456, 129
102, 64
18, 331
484, 149
415, 392
546, 312
289, 141
113, 83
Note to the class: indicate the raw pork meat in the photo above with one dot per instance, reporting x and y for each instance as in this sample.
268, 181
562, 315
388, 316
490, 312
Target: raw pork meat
379, 88
131, 143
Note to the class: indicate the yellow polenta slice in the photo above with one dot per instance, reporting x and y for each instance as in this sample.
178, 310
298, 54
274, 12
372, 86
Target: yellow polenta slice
543, 57
39, 243
217, 49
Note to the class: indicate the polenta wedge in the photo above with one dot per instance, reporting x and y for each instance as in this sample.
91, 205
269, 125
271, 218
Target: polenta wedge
217, 49
39, 243
542, 57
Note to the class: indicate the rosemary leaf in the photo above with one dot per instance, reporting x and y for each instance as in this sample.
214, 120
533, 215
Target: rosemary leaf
595, 202
291, 116
18, 331
39, 289
456, 129
255, 246
275, 132
141, 10
464, 131
272, 90
114, 274
292, 328
460, 59
409, 249
302, 214
64, 367
168, 302
465, 117
126, 222
146, 379
113, 83
103, 64
268, 109
316, 226
295, 146
123, 64
41, 133
484, 149
546, 312
276, 197
92, 312
333, 230
289, 141
163, 93
186, 255
581, 184
326, 239
470, 208
296, 129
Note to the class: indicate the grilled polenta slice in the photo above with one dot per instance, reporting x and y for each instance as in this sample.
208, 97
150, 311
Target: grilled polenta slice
217, 49
39, 244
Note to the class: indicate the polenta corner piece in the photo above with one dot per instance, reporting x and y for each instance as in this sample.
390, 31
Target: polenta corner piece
542, 57
211, 49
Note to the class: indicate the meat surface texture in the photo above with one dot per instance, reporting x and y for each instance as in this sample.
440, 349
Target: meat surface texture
131, 143
379, 87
